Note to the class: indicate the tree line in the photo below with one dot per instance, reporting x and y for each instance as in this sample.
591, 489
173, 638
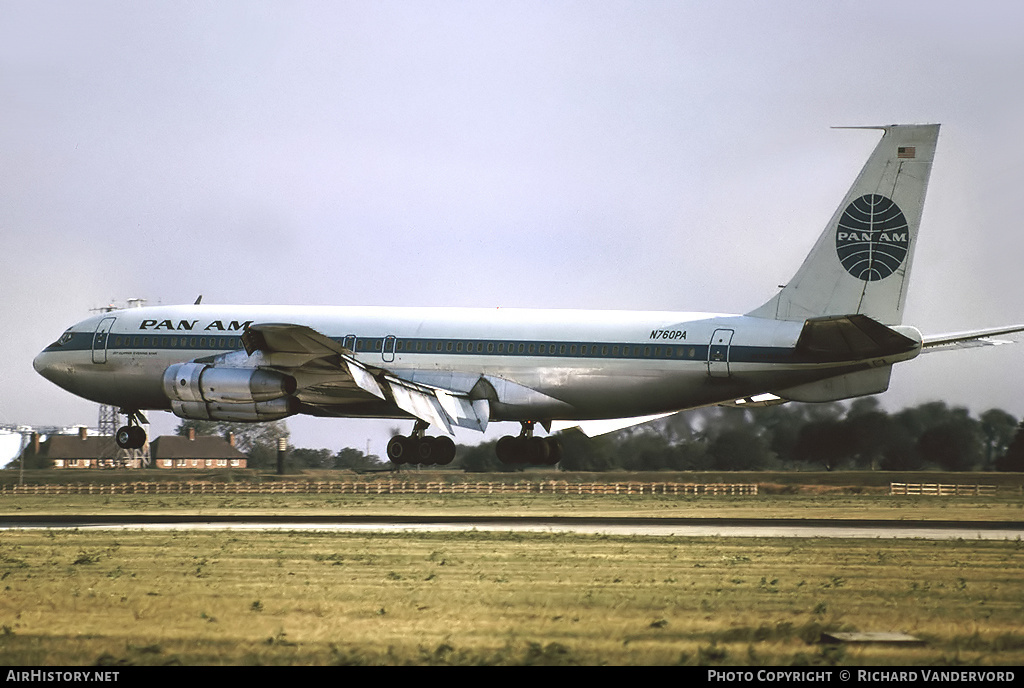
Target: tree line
859, 435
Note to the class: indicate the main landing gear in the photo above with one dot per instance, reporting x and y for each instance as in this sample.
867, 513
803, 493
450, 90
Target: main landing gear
524, 450
132, 436
417, 448
527, 449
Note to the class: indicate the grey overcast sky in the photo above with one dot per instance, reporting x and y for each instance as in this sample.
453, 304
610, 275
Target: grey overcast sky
593, 154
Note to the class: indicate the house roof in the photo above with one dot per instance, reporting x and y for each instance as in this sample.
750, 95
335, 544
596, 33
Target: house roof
75, 447
202, 447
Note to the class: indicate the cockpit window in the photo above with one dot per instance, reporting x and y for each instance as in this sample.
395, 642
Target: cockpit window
64, 338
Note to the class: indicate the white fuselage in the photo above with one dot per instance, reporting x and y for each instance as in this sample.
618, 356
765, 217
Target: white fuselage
560, 364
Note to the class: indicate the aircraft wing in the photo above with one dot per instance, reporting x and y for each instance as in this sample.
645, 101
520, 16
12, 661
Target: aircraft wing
966, 340
329, 377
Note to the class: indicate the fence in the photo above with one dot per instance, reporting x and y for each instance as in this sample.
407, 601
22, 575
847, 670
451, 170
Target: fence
939, 489
381, 487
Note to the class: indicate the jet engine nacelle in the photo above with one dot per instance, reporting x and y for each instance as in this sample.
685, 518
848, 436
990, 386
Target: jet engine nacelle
258, 411
198, 382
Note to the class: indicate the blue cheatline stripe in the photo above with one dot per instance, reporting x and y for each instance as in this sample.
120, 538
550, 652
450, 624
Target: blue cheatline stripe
411, 347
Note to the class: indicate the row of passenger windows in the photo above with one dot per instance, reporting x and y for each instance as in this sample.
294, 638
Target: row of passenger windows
178, 342
437, 346
528, 348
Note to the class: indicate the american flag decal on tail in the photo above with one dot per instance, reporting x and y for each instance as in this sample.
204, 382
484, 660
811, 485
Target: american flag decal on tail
906, 152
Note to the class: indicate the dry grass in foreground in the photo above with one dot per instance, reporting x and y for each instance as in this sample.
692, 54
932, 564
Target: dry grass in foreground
221, 597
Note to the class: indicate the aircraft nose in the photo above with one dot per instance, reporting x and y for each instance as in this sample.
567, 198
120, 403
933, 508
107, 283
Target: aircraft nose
49, 367
39, 363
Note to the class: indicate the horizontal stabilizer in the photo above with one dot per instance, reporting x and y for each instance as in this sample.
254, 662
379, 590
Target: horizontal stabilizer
967, 340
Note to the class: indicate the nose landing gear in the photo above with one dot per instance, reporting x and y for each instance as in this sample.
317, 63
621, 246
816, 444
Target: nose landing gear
131, 436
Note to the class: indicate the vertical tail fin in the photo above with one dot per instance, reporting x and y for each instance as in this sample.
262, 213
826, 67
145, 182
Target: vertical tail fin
861, 262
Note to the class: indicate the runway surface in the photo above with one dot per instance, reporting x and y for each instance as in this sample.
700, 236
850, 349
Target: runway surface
667, 527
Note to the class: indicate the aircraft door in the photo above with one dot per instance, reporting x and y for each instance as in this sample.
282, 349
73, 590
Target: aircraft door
388, 352
99, 340
718, 353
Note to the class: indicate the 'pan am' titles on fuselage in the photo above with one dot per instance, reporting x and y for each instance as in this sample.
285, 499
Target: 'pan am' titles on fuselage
189, 325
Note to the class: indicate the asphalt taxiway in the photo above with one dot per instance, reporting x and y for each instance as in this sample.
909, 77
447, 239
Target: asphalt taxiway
667, 527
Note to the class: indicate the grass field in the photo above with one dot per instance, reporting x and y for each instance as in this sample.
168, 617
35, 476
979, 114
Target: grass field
223, 597
219, 597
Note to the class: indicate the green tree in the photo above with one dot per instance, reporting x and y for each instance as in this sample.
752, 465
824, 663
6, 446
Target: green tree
900, 452
824, 441
1013, 459
646, 451
355, 460
738, 449
953, 442
781, 425
300, 457
582, 453
480, 459
871, 433
998, 428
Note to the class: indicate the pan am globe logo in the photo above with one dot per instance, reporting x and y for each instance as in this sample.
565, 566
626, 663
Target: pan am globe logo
872, 238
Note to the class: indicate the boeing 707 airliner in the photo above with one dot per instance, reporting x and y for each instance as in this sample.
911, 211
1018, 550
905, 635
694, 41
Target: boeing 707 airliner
833, 332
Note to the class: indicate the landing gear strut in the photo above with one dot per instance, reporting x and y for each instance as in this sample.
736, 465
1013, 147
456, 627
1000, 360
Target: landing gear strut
417, 448
131, 436
527, 449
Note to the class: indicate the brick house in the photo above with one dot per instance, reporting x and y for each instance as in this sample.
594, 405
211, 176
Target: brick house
77, 451
98, 451
202, 451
